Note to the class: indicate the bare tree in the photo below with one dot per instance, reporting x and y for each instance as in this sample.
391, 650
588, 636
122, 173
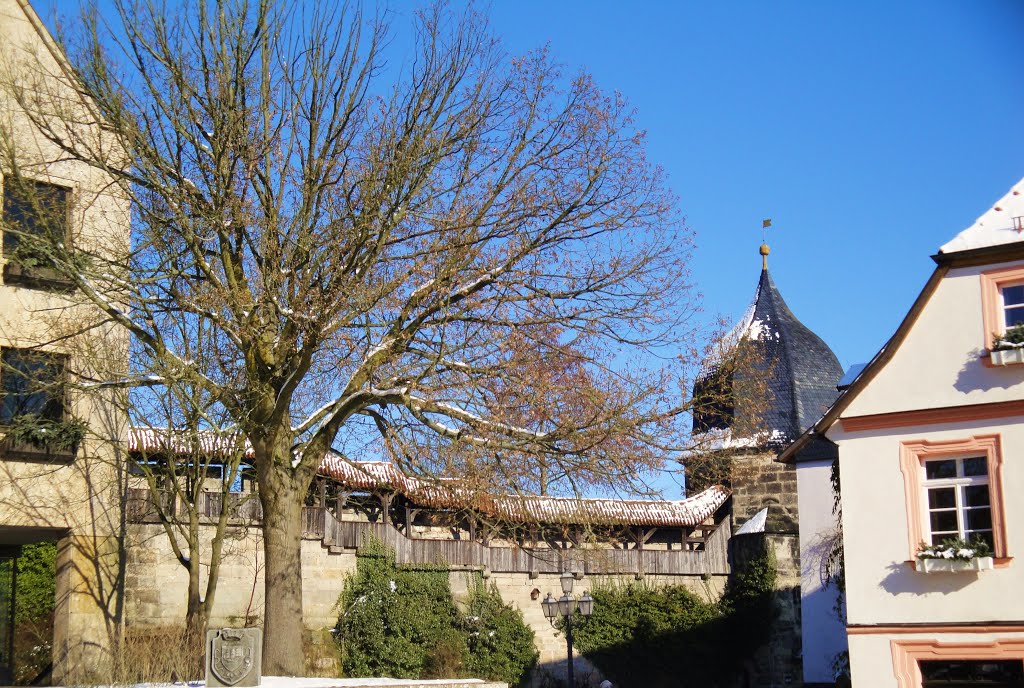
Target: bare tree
379, 254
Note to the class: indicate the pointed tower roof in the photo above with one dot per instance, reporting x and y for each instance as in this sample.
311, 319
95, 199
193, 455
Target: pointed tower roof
793, 366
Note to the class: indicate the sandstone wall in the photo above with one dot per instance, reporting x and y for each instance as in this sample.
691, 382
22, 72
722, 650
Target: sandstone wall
759, 482
156, 583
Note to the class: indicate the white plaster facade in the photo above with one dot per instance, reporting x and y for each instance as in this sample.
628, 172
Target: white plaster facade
931, 394
822, 629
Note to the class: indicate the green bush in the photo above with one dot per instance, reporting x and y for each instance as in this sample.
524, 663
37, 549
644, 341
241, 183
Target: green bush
639, 635
398, 623
500, 643
402, 622
33, 611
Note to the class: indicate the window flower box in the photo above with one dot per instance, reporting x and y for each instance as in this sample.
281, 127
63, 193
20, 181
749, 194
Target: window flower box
955, 555
954, 565
1004, 357
1008, 347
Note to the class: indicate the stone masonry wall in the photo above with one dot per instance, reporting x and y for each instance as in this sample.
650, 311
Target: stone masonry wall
156, 586
156, 583
526, 593
759, 482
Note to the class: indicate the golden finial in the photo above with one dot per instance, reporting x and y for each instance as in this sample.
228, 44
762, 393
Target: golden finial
765, 224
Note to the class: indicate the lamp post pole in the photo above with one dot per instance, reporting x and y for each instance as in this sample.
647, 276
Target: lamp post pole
568, 646
566, 606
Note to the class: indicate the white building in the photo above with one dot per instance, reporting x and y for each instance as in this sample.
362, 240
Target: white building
930, 437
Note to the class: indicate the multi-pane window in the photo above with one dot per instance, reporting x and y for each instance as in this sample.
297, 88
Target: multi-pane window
1013, 305
31, 383
960, 673
33, 209
957, 498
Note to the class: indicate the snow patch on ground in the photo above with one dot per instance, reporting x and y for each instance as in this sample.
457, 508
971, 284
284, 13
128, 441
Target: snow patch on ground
300, 682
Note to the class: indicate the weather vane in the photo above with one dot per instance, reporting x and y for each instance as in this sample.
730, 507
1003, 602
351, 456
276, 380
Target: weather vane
765, 224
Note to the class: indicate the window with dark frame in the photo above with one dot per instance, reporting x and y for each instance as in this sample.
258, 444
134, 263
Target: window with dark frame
31, 383
961, 673
35, 214
957, 498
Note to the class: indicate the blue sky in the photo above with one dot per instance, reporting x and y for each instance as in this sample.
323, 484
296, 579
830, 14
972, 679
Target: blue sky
870, 132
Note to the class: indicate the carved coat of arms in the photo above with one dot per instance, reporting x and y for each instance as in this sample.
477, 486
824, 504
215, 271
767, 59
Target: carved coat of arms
233, 653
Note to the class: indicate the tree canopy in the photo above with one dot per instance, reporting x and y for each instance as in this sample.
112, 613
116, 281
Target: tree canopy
450, 256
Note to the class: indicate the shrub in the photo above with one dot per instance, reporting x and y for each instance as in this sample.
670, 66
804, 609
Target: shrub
641, 635
33, 610
155, 655
500, 643
397, 622
401, 622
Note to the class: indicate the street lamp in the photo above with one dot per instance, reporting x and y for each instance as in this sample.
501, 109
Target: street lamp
567, 606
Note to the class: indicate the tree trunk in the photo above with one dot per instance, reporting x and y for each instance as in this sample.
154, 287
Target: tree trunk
282, 547
196, 617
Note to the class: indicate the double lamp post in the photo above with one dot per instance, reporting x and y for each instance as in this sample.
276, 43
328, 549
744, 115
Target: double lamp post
567, 606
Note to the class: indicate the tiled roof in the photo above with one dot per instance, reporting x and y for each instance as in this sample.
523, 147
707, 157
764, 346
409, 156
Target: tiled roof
370, 475
156, 440
800, 370
447, 494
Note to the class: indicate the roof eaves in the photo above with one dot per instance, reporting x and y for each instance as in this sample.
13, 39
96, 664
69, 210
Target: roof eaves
999, 253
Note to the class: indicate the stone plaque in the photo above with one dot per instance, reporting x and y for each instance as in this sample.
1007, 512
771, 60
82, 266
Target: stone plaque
233, 657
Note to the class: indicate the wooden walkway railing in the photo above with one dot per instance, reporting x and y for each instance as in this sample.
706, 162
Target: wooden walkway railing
319, 523
713, 559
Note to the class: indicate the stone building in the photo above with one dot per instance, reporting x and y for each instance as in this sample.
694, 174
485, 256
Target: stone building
771, 379
55, 490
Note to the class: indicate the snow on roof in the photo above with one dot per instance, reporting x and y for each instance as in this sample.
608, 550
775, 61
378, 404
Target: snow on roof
156, 440
448, 494
1003, 223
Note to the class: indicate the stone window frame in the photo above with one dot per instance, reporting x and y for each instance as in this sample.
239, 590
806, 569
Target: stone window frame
907, 653
992, 284
914, 453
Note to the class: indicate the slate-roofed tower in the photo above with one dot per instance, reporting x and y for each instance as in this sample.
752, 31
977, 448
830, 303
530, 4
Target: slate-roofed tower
790, 367
770, 379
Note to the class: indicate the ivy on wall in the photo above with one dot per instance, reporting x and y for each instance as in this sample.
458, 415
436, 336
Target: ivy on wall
401, 622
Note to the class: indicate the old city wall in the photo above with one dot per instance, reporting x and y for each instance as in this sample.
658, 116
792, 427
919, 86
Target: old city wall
157, 584
759, 481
